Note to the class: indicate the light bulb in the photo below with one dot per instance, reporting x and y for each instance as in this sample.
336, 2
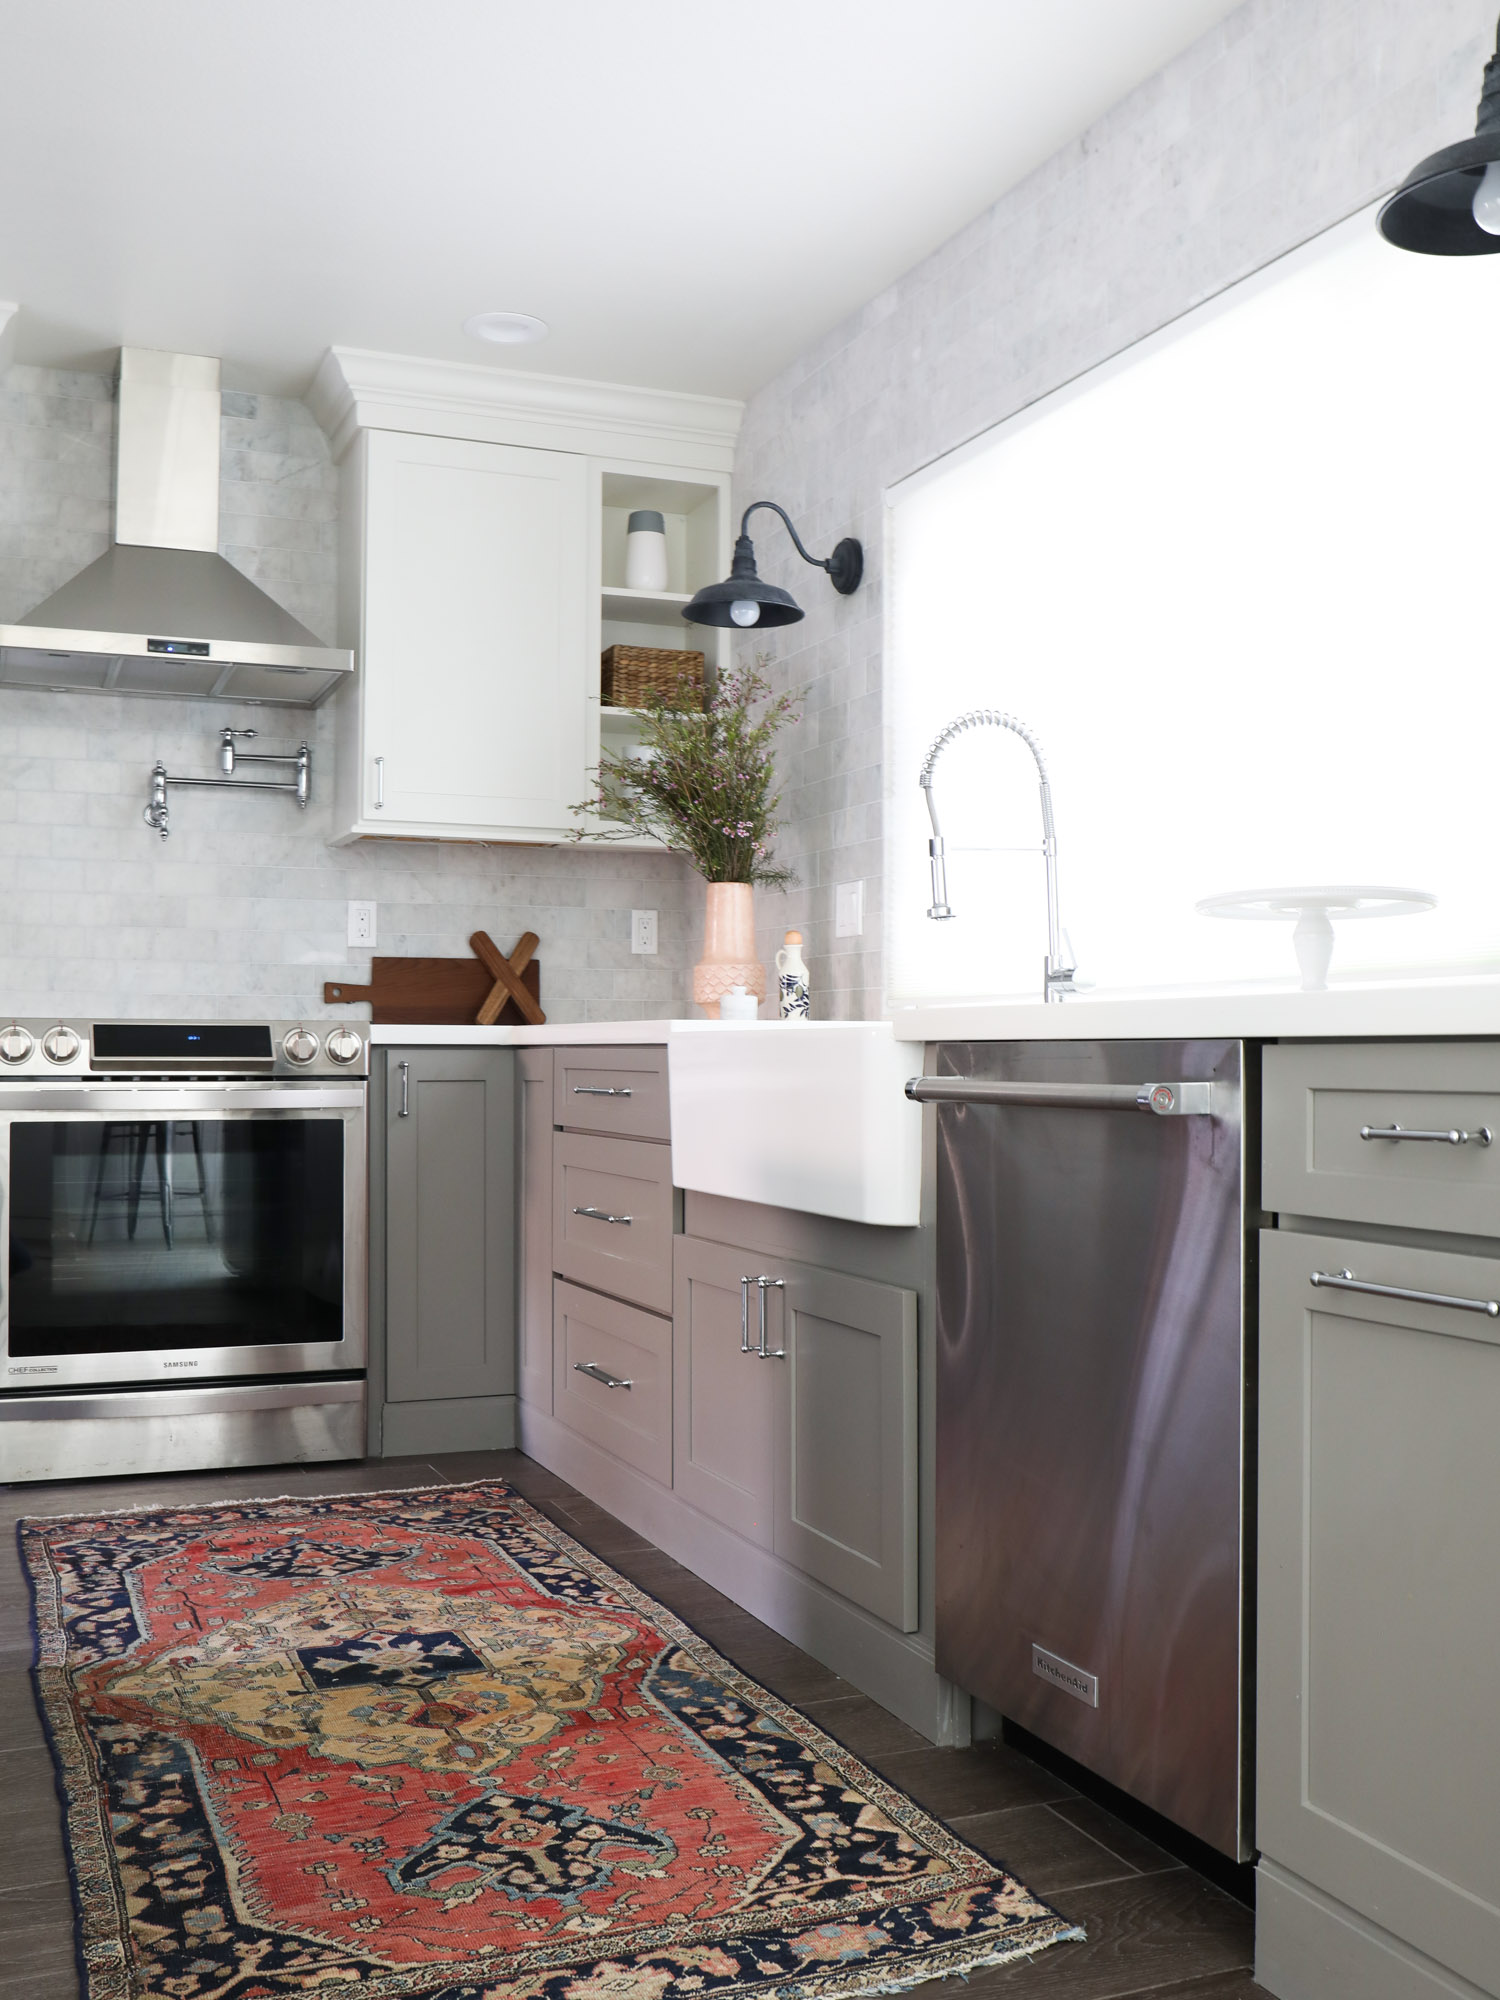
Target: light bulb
745, 610
1487, 200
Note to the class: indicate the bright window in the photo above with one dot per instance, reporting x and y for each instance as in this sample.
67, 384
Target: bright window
1239, 582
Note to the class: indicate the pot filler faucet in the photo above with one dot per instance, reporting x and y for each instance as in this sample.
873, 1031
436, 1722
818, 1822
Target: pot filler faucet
1057, 978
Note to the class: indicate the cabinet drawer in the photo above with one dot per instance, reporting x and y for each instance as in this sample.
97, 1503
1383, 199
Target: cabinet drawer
1340, 1125
618, 1091
612, 1216
613, 1377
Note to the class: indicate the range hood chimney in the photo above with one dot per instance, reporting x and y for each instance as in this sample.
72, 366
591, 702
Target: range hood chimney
161, 611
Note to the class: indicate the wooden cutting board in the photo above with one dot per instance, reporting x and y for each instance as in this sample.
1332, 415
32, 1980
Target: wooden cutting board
432, 990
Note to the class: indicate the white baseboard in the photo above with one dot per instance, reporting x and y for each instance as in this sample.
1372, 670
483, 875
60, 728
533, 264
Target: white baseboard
893, 1668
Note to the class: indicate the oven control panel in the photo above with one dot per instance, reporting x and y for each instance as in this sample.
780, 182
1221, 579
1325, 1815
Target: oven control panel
34, 1049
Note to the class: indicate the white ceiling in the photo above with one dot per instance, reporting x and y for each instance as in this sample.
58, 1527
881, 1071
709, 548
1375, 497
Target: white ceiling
688, 191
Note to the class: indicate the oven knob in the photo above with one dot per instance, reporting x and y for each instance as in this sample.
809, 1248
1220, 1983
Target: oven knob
15, 1044
300, 1046
344, 1045
60, 1044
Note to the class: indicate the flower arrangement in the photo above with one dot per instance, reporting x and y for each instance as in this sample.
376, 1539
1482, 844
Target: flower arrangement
702, 781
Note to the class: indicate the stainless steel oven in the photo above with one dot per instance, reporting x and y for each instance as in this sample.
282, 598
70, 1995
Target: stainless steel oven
184, 1206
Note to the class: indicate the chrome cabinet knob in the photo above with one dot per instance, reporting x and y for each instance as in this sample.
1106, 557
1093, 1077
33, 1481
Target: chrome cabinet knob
344, 1045
60, 1044
15, 1044
300, 1046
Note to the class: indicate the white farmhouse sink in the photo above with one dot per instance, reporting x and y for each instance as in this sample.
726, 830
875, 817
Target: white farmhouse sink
808, 1115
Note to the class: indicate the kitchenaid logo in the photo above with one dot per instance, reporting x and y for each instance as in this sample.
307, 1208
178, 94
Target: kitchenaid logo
42, 1368
179, 1364
1062, 1674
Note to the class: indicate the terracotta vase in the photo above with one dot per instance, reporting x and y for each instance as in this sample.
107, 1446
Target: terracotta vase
728, 947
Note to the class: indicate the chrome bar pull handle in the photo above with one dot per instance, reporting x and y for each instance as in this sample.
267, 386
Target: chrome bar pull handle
598, 1374
405, 1069
380, 784
599, 1090
1164, 1100
603, 1215
763, 1352
1480, 1136
745, 1284
1345, 1281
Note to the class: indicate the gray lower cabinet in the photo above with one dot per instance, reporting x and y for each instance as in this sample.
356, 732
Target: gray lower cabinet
534, 1084
449, 1236
612, 1377
795, 1417
1378, 1795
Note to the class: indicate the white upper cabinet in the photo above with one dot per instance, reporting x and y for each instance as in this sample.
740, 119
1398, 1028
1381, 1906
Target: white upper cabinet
480, 513
472, 644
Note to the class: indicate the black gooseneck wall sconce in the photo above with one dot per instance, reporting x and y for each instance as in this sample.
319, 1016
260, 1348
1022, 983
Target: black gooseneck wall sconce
1449, 204
743, 600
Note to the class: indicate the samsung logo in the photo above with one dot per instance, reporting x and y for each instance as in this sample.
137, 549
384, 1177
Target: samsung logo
179, 1364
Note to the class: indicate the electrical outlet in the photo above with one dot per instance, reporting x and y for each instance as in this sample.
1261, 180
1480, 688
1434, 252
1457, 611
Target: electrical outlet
643, 930
849, 909
362, 924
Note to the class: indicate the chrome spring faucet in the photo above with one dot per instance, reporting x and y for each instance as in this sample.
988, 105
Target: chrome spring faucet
1057, 978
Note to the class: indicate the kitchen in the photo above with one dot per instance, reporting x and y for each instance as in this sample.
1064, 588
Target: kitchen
1222, 154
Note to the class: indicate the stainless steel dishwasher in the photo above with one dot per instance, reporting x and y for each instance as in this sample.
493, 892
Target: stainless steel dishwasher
1093, 1384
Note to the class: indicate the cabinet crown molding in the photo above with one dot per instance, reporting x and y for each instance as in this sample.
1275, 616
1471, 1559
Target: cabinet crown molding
356, 389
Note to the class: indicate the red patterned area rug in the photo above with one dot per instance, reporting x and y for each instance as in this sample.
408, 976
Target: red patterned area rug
422, 1743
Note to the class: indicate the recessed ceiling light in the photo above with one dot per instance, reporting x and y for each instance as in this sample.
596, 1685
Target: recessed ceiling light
509, 329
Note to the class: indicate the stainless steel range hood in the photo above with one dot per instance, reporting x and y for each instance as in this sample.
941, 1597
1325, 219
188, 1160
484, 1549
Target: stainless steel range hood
161, 611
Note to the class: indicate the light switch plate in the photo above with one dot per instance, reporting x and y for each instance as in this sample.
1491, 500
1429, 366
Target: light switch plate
643, 930
849, 909
362, 925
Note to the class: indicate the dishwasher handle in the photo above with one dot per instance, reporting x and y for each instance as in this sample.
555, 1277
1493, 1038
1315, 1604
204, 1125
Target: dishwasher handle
1166, 1100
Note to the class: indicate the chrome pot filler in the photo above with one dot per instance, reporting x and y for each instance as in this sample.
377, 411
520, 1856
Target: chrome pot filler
185, 1210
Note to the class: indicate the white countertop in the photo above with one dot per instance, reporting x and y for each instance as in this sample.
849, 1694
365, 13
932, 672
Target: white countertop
428, 1035
1420, 1007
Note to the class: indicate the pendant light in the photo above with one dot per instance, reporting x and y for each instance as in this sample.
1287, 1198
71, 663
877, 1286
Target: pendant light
1449, 204
743, 600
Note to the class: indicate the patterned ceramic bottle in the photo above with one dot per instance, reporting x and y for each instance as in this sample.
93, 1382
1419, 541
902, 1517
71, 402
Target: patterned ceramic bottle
792, 973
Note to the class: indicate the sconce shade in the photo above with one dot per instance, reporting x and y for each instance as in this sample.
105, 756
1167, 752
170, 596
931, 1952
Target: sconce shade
710, 605
1433, 209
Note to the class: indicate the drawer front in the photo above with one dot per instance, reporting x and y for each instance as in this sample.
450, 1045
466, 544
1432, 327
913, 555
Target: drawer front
1341, 1126
613, 1377
617, 1091
612, 1216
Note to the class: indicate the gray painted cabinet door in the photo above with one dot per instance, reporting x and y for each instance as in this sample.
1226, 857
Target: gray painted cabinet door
534, 1075
812, 1450
450, 1223
1379, 1609
723, 1398
846, 1439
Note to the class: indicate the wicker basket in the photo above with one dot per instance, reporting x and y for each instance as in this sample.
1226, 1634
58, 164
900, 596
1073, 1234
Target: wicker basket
627, 674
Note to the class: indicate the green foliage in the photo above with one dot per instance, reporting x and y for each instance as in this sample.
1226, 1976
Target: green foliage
702, 780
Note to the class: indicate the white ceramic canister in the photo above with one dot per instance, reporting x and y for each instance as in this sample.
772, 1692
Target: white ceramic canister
791, 972
739, 1005
645, 550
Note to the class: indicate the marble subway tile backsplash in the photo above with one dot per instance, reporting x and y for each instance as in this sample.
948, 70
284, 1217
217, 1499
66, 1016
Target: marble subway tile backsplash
241, 913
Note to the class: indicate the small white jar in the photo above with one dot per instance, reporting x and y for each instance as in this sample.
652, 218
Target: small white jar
739, 1005
645, 550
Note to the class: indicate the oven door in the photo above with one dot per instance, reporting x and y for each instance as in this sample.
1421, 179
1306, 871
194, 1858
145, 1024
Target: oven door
164, 1232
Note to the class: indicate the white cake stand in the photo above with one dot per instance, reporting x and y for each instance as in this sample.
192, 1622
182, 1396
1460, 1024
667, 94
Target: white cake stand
1314, 911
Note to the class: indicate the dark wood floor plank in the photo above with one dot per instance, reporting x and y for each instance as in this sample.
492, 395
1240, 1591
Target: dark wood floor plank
31, 1837
528, 1478
20, 1724
1232, 1986
1044, 1850
987, 1778
59, 1985
1144, 1933
775, 1662
866, 1728
1099, 1824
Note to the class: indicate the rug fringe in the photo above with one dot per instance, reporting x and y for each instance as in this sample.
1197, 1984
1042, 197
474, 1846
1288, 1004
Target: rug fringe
982, 1959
